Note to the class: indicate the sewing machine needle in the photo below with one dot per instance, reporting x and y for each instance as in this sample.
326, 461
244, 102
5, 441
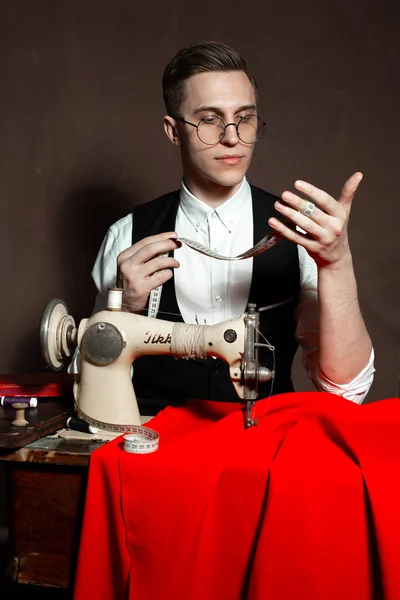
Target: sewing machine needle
250, 406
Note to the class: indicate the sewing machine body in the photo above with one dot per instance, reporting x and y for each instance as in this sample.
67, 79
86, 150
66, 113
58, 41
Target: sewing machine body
104, 393
111, 340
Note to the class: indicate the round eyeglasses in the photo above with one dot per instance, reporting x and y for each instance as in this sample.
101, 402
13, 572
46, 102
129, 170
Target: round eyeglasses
211, 129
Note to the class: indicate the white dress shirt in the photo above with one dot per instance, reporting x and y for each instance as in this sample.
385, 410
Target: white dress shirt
210, 291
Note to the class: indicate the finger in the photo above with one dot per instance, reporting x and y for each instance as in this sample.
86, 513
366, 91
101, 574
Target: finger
306, 223
157, 250
324, 200
309, 243
155, 265
297, 204
349, 190
135, 275
159, 278
329, 204
140, 254
160, 237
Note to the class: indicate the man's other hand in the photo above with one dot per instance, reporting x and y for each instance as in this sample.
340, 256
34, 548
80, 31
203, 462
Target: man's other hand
326, 239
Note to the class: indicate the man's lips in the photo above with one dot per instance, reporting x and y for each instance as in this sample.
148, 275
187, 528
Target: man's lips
230, 159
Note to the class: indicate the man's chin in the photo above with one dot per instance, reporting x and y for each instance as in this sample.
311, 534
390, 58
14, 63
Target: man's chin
229, 181
229, 177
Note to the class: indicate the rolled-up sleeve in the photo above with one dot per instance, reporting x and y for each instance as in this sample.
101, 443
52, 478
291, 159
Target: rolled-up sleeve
356, 390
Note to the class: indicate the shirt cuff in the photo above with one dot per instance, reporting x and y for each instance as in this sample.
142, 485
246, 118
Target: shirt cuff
355, 391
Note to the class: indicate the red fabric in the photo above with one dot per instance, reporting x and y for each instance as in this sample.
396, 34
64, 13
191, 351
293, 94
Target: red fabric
305, 505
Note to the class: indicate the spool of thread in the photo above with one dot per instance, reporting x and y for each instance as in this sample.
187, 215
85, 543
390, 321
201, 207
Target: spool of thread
10, 400
20, 420
78, 424
114, 299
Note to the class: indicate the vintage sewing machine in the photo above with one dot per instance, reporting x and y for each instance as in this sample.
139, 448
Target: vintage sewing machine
108, 342
111, 340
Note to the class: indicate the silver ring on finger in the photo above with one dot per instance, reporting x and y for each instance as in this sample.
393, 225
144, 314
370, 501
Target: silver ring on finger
308, 211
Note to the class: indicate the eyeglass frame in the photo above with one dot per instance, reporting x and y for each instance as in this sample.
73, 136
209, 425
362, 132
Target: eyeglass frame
236, 125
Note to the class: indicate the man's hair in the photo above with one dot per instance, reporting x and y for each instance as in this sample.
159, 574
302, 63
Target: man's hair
202, 57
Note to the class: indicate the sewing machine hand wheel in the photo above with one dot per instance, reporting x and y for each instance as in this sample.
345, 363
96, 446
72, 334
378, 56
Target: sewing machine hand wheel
57, 335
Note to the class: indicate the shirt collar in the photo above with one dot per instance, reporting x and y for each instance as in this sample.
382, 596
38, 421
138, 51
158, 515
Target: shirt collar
198, 212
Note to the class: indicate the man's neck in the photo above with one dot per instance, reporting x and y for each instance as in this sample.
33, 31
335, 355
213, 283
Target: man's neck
211, 193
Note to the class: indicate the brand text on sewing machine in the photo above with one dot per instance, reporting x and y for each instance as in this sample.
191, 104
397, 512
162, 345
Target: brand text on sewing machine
156, 338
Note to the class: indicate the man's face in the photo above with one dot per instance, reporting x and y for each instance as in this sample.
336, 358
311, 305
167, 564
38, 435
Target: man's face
228, 95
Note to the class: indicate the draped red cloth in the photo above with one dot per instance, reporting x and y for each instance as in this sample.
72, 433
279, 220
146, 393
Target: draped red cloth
306, 505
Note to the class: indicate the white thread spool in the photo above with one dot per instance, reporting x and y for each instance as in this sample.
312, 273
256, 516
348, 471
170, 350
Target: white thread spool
114, 300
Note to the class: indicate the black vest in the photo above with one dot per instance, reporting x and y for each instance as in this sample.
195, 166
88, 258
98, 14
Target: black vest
275, 279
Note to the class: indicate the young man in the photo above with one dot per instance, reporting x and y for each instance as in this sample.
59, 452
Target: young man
304, 286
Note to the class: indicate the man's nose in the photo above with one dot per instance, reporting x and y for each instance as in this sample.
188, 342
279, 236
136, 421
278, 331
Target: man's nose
231, 137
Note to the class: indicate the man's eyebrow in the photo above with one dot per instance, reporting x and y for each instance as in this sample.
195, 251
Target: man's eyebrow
221, 112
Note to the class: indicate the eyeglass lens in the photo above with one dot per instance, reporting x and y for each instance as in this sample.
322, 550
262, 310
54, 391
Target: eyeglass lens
211, 130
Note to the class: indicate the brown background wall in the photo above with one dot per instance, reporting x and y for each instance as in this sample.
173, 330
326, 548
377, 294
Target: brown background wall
81, 137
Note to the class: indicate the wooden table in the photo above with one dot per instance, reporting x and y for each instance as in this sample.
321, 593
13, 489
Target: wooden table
46, 482
46, 485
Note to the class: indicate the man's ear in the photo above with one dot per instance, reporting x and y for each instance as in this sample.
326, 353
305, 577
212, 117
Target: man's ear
171, 130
